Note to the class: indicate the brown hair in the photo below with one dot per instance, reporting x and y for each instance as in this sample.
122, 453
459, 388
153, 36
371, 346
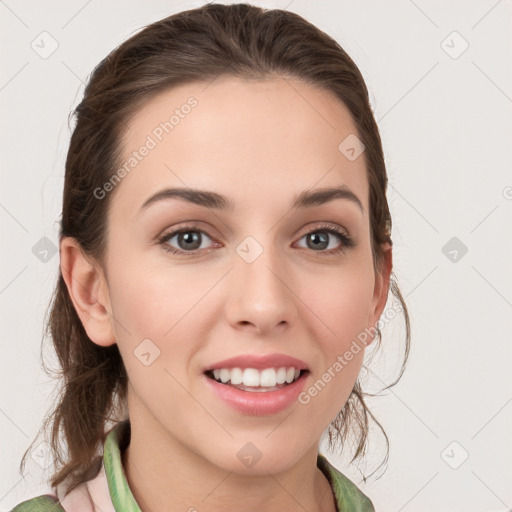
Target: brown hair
197, 45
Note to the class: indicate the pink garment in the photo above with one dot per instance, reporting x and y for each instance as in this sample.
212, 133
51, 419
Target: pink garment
90, 496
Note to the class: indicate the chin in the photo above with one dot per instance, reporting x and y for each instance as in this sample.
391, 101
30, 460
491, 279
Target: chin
258, 457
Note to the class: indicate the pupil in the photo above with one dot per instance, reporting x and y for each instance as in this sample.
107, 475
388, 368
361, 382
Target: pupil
190, 237
320, 238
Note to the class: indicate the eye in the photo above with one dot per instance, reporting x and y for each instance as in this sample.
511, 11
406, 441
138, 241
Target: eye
318, 239
189, 239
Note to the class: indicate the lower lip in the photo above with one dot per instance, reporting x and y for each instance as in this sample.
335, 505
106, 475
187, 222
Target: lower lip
257, 403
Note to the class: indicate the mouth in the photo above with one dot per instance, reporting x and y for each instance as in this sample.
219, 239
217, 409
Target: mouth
257, 380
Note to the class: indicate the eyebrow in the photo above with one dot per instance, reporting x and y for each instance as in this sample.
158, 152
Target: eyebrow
208, 199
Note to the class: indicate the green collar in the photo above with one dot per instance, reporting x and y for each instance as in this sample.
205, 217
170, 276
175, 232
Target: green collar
120, 492
348, 496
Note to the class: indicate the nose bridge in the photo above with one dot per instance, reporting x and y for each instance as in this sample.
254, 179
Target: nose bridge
261, 294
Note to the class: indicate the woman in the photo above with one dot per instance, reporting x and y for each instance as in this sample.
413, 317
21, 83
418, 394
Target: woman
225, 260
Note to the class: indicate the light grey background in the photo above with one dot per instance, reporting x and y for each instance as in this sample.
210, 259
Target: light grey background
446, 125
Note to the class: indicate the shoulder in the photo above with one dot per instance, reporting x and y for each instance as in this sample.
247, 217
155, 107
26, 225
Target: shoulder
43, 503
348, 495
88, 496
85, 497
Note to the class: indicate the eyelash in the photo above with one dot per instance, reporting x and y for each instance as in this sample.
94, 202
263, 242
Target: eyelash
346, 240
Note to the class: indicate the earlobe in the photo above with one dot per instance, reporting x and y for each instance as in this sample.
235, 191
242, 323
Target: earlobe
88, 290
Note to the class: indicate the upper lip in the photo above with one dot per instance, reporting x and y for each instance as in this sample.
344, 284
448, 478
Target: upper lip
259, 362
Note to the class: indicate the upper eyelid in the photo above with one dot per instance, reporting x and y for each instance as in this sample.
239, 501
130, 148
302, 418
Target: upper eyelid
167, 235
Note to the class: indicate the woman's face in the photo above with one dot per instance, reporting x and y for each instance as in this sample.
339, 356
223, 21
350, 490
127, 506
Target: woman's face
252, 276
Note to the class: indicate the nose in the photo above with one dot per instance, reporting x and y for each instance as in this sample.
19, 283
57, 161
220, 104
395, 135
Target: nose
261, 297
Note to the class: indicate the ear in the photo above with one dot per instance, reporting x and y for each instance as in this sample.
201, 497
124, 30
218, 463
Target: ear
88, 290
381, 288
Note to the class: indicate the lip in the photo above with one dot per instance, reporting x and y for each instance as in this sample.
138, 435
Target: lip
258, 403
259, 362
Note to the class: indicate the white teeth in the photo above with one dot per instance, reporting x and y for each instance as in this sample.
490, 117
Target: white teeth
224, 375
236, 376
251, 377
281, 376
268, 378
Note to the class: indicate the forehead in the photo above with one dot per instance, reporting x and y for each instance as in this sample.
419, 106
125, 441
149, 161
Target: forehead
245, 139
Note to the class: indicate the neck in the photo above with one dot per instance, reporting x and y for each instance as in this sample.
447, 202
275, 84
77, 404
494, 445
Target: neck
164, 474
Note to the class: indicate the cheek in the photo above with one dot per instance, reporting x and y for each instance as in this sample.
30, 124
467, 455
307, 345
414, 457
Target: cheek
151, 302
155, 305
342, 305
342, 302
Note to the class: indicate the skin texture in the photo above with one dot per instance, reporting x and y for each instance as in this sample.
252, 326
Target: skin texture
260, 143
